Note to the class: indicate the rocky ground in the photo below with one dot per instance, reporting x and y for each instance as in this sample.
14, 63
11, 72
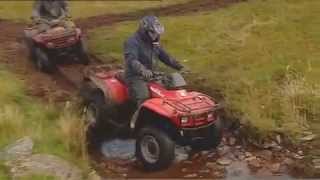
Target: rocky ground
234, 158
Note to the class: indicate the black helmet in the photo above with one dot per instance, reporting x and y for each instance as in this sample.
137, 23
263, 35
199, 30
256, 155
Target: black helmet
152, 27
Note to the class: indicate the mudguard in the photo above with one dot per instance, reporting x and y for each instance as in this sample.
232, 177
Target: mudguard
158, 106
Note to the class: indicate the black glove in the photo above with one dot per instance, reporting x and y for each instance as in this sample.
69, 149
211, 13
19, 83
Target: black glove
147, 74
179, 66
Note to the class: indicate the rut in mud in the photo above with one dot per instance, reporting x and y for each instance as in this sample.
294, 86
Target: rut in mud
192, 6
57, 87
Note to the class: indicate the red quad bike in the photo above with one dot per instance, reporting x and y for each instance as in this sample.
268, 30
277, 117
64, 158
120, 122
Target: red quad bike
171, 116
48, 48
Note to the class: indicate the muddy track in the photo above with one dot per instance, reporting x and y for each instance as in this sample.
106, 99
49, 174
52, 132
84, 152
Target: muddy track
56, 87
192, 6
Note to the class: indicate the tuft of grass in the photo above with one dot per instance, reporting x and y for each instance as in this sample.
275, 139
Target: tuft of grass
263, 56
21, 10
55, 130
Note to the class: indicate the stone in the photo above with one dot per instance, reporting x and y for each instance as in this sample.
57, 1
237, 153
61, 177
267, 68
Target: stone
254, 163
211, 165
93, 176
223, 150
184, 170
204, 171
248, 154
232, 141
21, 148
193, 175
224, 161
266, 154
275, 168
278, 138
288, 161
308, 137
300, 153
43, 164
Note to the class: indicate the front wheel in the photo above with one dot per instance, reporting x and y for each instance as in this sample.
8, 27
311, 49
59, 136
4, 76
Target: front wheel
154, 148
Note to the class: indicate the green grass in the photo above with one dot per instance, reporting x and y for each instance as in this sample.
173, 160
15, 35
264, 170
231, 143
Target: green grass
262, 55
21, 10
55, 131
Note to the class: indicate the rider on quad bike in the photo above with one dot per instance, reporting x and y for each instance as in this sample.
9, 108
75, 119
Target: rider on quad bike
51, 12
141, 52
53, 35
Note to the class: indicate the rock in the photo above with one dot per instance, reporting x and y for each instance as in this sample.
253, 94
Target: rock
300, 153
316, 163
224, 161
238, 147
254, 163
297, 156
218, 174
193, 175
278, 138
266, 154
44, 165
21, 148
211, 165
205, 171
232, 141
288, 161
94, 176
248, 154
308, 137
223, 150
275, 168
184, 170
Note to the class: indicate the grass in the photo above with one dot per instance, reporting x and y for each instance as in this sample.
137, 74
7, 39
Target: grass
21, 10
55, 131
262, 55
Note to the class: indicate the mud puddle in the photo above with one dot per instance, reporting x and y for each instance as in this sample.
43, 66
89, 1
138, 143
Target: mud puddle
231, 162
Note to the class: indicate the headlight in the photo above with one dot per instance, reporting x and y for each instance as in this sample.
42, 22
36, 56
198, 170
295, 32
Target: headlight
210, 116
184, 120
72, 39
50, 45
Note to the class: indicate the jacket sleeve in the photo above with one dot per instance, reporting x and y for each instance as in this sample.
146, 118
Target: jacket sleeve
65, 8
36, 10
168, 60
131, 58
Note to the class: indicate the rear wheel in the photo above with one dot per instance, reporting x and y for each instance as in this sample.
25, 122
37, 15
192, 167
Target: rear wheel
42, 61
82, 53
154, 148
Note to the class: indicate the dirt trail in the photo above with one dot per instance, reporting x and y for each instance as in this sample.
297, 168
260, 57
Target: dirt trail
57, 88
192, 6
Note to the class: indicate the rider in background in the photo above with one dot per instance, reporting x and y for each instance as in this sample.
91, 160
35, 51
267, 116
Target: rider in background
47, 13
142, 51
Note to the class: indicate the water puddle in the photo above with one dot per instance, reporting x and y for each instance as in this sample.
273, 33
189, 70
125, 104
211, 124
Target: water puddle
204, 164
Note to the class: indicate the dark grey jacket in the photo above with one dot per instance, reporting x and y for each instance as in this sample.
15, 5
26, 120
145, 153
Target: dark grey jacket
50, 9
140, 54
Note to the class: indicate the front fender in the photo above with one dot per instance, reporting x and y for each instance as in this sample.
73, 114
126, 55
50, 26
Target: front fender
157, 106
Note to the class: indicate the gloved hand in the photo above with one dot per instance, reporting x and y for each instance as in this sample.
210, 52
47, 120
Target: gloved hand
179, 67
147, 74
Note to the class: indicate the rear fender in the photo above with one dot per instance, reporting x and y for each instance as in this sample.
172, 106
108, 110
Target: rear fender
100, 85
156, 106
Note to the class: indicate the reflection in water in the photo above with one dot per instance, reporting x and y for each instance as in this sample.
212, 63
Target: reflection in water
239, 170
119, 149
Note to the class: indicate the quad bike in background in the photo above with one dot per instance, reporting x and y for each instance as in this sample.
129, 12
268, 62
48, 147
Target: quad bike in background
171, 116
50, 47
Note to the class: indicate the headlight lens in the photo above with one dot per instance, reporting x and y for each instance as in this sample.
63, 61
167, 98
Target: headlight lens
184, 120
210, 116
50, 45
